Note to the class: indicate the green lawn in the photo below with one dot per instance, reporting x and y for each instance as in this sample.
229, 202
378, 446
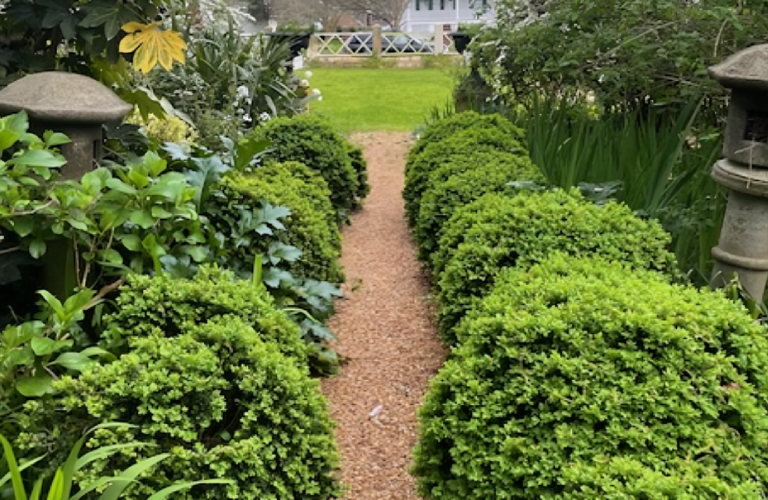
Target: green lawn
357, 99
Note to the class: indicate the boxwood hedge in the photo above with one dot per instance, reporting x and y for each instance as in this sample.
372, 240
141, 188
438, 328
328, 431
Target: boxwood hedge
173, 306
310, 227
463, 145
582, 378
315, 143
222, 402
446, 127
361, 168
498, 231
461, 181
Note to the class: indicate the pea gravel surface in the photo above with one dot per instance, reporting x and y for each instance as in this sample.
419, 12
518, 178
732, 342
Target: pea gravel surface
386, 335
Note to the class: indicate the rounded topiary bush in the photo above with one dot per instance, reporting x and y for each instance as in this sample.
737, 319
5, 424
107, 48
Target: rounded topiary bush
446, 127
315, 143
464, 145
498, 231
310, 226
574, 363
461, 181
224, 405
361, 168
174, 306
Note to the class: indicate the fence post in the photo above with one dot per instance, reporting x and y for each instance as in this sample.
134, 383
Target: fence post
377, 40
439, 35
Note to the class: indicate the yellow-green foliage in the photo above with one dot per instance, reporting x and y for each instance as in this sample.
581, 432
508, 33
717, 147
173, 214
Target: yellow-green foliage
585, 379
311, 227
167, 129
496, 231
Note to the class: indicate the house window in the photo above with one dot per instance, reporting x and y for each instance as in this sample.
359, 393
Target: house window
431, 5
418, 4
442, 4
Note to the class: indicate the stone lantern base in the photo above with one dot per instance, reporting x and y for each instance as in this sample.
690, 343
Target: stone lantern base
742, 250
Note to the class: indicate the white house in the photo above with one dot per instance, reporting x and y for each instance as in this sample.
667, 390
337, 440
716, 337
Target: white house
424, 15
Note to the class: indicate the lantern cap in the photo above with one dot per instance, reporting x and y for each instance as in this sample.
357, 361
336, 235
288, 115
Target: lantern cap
56, 96
745, 69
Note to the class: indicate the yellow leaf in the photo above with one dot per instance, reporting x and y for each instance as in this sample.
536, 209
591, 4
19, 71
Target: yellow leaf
152, 46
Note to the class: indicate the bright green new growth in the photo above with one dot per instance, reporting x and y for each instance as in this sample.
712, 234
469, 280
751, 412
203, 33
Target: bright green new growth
315, 143
171, 307
462, 146
582, 378
461, 181
496, 232
458, 122
311, 227
225, 405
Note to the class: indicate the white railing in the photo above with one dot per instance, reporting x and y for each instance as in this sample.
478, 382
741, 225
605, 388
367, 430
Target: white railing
386, 44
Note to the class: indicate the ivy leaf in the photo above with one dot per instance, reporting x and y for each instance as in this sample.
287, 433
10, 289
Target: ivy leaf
152, 46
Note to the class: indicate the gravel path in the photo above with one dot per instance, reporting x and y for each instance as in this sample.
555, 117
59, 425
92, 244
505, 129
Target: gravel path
386, 334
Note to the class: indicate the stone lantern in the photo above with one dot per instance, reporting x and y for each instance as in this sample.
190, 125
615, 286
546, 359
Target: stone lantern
743, 247
73, 104
77, 106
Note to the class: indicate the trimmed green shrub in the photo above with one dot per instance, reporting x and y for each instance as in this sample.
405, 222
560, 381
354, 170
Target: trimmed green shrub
446, 127
498, 231
222, 402
315, 143
361, 167
574, 363
173, 306
463, 145
461, 181
627, 479
310, 226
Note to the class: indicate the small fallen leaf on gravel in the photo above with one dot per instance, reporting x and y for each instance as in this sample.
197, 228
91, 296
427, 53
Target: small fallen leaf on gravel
376, 411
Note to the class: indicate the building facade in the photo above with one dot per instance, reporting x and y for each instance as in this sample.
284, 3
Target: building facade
424, 15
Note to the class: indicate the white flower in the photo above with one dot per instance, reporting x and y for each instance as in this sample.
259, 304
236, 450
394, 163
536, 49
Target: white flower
590, 97
316, 92
264, 117
304, 83
242, 91
308, 75
320, 98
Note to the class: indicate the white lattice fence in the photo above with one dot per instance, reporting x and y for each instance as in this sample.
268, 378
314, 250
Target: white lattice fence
392, 44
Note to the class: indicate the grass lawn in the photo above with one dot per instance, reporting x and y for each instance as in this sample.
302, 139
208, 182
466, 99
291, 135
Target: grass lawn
357, 99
